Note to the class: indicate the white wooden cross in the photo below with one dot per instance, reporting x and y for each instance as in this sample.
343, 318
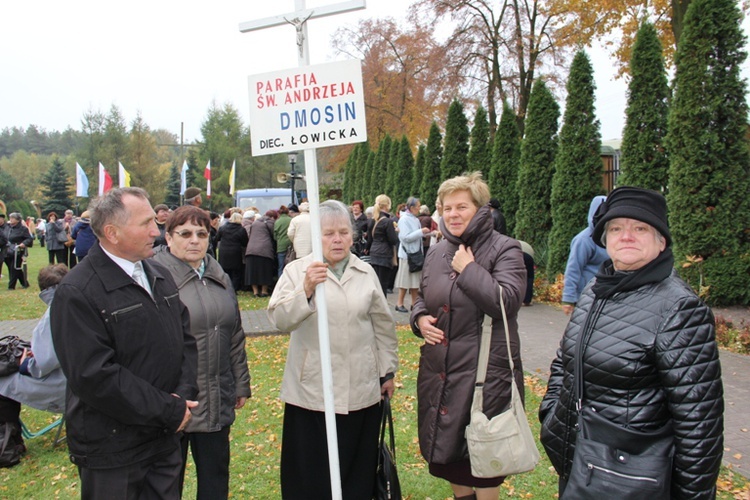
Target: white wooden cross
299, 19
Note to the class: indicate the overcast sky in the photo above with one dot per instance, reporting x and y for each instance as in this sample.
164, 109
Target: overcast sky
171, 59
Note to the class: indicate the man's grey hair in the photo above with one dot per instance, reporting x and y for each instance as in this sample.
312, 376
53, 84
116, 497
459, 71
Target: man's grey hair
109, 208
413, 201
334, 209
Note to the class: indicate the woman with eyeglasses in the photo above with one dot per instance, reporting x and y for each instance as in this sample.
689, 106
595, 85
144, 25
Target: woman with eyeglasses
223, 378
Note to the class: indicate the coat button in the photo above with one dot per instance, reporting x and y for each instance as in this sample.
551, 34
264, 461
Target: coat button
453, 275
443, 410
446, 308
442, 375
445, 341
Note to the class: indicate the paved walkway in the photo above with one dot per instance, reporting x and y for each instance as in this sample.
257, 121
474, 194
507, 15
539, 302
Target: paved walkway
541, 327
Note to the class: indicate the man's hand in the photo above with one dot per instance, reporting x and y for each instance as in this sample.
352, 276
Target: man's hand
188, 404
567, 309
240, 402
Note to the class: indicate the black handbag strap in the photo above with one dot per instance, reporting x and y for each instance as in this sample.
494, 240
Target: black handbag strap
386, 420
583, 340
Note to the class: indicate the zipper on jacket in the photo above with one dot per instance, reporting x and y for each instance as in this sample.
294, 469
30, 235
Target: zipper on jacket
591, 467
115, 314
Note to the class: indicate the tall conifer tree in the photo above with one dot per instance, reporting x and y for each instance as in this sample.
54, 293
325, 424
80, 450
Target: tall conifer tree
172, 198
533, 219
433, 157
578, 164
644, 161
709, 172
56, 188
456, 147
393, 173
350, 174
372, 188
480, 152
416, 181
404, 171
379, 176
506, 159
363, 179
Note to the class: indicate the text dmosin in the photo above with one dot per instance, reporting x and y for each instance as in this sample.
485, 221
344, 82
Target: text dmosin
301, 118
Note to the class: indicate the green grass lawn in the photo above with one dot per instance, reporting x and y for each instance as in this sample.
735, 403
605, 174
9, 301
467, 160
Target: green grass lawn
46, 473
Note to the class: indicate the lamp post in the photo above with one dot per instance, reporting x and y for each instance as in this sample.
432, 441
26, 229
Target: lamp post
292, 161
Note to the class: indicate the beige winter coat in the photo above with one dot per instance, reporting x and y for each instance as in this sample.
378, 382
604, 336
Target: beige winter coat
299, 234
362, 337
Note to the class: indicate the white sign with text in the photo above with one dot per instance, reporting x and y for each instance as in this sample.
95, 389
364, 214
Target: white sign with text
305, 108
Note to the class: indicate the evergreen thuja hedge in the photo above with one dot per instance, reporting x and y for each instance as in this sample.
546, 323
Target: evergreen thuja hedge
709, 207
578, 165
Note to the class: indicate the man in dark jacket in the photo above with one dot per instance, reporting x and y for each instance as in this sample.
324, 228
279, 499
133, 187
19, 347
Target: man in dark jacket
123, 340
19, 238
4, 228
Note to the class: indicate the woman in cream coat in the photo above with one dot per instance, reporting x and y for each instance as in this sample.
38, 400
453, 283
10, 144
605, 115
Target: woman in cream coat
363, 357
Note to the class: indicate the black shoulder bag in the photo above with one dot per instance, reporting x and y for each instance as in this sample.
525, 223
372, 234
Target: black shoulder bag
612, 461
387, 486
11, 350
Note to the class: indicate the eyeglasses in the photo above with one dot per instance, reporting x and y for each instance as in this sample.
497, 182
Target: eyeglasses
187, 234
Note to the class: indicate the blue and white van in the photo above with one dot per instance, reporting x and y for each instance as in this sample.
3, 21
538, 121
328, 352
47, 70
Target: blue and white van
264, 198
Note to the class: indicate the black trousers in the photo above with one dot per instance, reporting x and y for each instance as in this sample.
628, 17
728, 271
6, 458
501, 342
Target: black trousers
236, 276
304, 453
60, 255
13, 260
384, 277
528, 261
210, 452
149, 480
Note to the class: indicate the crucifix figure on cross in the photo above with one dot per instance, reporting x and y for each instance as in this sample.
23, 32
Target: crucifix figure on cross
298, 25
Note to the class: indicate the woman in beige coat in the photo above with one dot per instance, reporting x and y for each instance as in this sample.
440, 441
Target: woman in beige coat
363, 357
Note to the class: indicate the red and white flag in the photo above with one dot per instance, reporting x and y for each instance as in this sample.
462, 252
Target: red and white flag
207, 175
105, 181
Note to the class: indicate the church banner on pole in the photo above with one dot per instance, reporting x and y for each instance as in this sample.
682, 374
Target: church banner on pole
307, 107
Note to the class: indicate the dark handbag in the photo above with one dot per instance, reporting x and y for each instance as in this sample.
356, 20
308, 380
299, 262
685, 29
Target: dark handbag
62, 236
612, 461
387, 486
290, 256
416, 261
11, 350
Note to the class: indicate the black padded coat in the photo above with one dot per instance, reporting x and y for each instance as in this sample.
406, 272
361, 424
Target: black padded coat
651, 358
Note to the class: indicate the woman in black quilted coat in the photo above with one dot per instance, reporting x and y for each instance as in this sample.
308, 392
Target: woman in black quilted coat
651, 359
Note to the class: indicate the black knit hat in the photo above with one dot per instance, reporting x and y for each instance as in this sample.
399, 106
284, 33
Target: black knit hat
633, 203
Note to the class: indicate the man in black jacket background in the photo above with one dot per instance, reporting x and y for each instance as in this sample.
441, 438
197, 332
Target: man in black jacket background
123, 340
19, 238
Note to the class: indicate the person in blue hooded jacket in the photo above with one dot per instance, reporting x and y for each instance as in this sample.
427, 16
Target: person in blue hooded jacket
583, 261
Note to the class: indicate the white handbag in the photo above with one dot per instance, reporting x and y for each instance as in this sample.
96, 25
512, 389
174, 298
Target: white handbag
503, 445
